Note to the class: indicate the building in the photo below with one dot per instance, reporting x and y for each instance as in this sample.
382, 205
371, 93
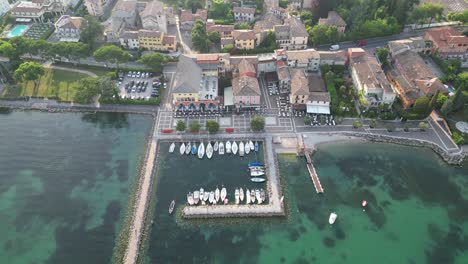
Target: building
333, 19
97, 8
244, 39
284, 77
29, 10
245, 87
370, 80
244, 14
412, 78
447, 42
308, 59
266, 63
299, 89
187, 19
333, 57
4, 7
292, 35
147, 39
417, 44
195, 88
319, 97
67, 28
225, 31
154, 17
227, 41
310, 4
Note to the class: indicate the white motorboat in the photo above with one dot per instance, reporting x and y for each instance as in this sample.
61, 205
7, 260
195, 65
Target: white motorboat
217, 193
172, 147
251, 145
209, 151
257, 195
262, 195
171, 207
247, 148
206, 196
223, 194
196, 197
247, 197
257, 179
182, 149
202, 194
190, 198
228, 147
256, 173
221, 148
234, 148
236, 194
188, 148
332, 218
212, 198
201, 150
216, 146
252, 196
241, 194
241, 149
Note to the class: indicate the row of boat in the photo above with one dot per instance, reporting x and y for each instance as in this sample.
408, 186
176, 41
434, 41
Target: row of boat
220, 196
220, 147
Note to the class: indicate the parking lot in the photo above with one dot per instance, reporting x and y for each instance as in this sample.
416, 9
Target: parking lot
139, 85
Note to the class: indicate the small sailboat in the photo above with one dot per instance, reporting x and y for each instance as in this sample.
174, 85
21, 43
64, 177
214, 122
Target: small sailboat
256, 164
257, 179
332, 218
236, 194
282, 198
252, 196
201, 150
247, 197
234, 148
194, 148
262, 195
212, 197
223, 194
188, 148
241, 194
256, 146
256, 173
251, 145
206, 195
221, 148
257, 195
216, 146
172, 147
190, 198
196, 197
228, 147
247, 148
217, 194
241, 149
202, 194
209, 151
182, 149
171, 206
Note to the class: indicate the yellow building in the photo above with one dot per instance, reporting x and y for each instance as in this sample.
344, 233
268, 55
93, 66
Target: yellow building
244, 39
156, 40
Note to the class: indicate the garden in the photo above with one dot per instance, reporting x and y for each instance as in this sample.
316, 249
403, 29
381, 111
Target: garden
342, 93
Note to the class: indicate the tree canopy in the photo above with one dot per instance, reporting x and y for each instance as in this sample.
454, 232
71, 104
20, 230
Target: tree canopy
91, 29
462, 16
154, 61
180, 126
200, 39
212, 126
428, 11
257, 123
88, 88
111, 54
29, 71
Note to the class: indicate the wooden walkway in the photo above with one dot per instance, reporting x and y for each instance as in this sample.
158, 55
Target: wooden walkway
313, 173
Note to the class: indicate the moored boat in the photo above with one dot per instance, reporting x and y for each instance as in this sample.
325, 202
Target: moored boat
247, 148
256, 164
188, 148
247, 197
257, 167
256, 146
251, 145
241, 194
182, 148
216, 146
171, 206
217, 193
172, 147
241, 149
221, 148
252, 196
262, 195
196, 197
190, 198
194, 149
236, 194
201, 150
212, 197
256, 179
332, 218
257, 196
234, 148
209, 151
206, 195
228, 147
202, 194
256, 173
223, 194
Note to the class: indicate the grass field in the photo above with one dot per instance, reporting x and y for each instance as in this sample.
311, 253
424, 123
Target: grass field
54, 83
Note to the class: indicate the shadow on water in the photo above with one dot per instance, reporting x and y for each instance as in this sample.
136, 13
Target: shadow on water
106, 120
5, 111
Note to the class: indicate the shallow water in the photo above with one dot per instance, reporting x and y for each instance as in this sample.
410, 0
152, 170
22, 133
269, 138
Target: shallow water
416, 214
64, 184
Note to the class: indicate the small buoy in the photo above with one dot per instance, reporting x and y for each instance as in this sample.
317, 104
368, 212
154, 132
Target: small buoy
364, 203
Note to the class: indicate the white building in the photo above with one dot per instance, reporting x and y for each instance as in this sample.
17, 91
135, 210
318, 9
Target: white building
4, 7
308, 59
244, 14
68, 28
129, 40
154, 17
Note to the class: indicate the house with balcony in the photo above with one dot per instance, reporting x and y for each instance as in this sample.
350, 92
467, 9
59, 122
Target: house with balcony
67, 28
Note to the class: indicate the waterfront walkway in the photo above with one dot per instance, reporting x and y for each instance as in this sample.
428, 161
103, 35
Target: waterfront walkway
273, 208
315, 178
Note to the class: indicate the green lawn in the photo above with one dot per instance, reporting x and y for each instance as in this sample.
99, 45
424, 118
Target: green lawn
54, 83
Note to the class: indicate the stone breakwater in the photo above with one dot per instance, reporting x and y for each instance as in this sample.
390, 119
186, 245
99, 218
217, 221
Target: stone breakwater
454, 158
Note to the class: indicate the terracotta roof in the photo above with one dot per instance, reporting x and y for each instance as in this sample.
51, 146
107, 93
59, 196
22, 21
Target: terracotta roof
296, 28
445, 36
333, 19
268, 22
244, 10
244, 34
27, 7
401, 45
283, 72
207, 57
66, 21
245, 86
370, 73
246, 68
129, 35
333, 55
149, 33
226, 41
316, 83
302, 56
125, 5
220, 28
152, 9
236, 60
169, 40
299, 82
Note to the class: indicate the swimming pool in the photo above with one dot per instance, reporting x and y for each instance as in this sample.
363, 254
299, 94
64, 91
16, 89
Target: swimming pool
18, 30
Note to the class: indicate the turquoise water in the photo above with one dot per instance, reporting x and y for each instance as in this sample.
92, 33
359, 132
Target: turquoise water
64, 184
417, 212
18, 30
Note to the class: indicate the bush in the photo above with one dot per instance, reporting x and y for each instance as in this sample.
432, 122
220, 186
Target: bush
390, 128
194, 126
458, 138
339, 119
212, 126
423, 126
357, 124
257, 123
180, 126
373, 124
307, 120
406, 127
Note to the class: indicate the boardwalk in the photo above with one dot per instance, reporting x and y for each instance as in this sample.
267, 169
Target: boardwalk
315, 179
274, 207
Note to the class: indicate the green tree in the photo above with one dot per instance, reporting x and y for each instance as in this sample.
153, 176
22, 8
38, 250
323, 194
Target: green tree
193, 5
433, 102
428, 10
423, 126
307, 18
6, 49
194, 126
462, 17
332, 34
269, 41
78, 51
180, 126
221, 10
39, 48
200, 39
153, 61
462, 81
382, 54
107, 88
307, 120
227, 49
29, 71
372, 124
243, 25
111, 54
258, 123
214, 37
212, 126
318, 35
421, 106
441, 98
87, 89
91, 29
447, 107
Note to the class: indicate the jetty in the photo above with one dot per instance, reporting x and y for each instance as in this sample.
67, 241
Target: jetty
313, 172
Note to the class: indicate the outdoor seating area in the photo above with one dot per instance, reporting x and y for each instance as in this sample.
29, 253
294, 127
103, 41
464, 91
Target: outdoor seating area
37, 31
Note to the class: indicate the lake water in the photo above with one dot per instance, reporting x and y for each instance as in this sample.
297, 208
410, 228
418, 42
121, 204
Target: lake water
64, 184
417, 210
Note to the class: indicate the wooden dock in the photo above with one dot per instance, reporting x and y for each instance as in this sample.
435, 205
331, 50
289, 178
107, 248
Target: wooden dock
313, 173
242, 210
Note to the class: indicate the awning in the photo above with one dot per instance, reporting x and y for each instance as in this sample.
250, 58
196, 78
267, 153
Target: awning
23, 20
318, 109
228, 96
